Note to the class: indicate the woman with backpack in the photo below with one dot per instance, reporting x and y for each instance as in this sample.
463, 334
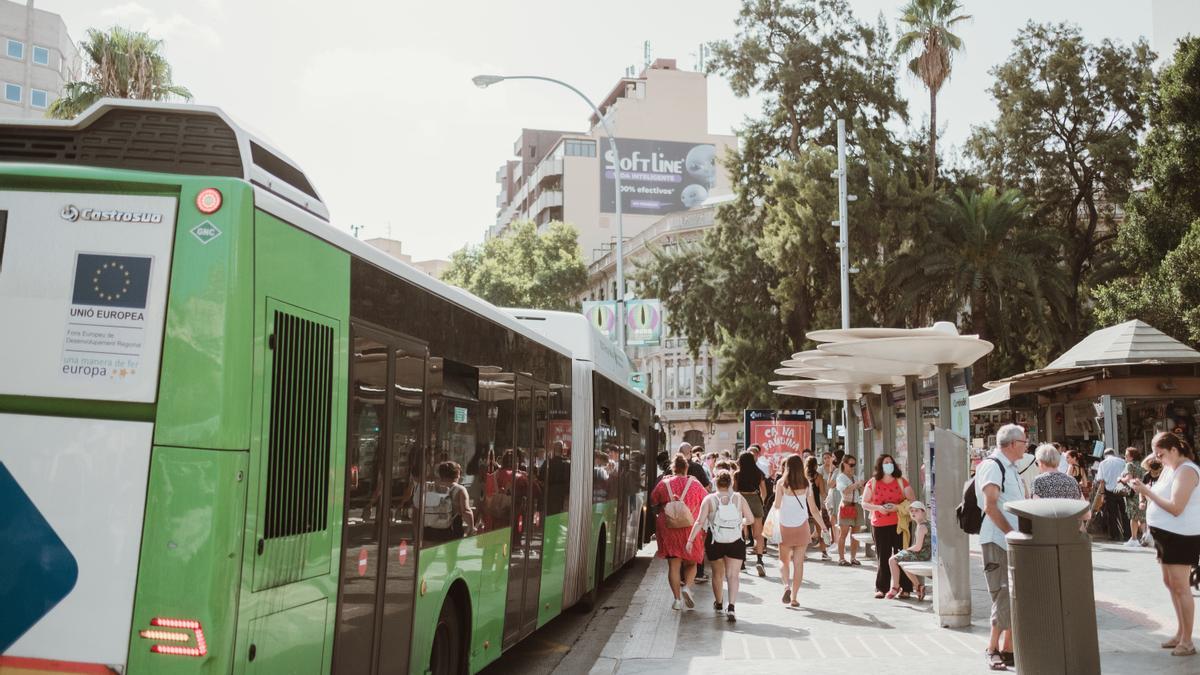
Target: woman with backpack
679, 496
723, 514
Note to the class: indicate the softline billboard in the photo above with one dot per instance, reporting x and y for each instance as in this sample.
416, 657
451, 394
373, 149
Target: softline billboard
658, 177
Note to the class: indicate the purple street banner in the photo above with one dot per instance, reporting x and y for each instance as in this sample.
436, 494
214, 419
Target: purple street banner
643, 323
602, 314
658, 177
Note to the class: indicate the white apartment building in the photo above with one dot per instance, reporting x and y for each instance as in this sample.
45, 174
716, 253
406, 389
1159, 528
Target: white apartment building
38, 59
673, 185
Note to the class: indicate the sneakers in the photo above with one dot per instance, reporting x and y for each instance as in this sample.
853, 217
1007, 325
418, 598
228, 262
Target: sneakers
729, 614
676, 605
687, 598
717, 608
1133, 543
762, 571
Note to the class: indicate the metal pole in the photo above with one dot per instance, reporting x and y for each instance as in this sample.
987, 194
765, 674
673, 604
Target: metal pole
843, 223
844, 256
488, 80
916, 438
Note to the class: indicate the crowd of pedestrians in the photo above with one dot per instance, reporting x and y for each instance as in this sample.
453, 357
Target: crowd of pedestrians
717, 510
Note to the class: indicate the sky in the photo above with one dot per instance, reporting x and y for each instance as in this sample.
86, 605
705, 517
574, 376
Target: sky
373, 98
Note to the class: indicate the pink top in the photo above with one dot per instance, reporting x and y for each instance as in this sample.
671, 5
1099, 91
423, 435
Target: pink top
886, 493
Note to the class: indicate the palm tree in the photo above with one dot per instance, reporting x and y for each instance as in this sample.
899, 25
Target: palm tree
984, 258
927, 25
121, 63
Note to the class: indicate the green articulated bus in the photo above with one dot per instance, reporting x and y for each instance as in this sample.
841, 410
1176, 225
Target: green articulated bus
235, 439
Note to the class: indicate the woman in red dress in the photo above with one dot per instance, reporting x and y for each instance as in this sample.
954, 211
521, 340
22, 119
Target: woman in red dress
673, 541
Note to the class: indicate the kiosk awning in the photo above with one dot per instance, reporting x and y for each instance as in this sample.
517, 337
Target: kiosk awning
990, 397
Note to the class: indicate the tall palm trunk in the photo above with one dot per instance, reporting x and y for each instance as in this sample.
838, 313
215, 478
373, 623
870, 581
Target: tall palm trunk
932, 135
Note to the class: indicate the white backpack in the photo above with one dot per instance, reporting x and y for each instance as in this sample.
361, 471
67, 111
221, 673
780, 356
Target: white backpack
439, 507
726, 525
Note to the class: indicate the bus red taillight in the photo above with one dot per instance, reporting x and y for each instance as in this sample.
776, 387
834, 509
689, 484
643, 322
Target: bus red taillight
208, 201
200, 649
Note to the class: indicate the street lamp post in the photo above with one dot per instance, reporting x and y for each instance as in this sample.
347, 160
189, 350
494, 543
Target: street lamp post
485, 81
843, 246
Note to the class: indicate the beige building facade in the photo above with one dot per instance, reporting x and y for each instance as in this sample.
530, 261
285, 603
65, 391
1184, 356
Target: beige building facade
38, 58
675, 379
434, 268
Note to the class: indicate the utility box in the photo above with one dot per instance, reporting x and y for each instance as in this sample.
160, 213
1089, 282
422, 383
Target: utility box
1050, 583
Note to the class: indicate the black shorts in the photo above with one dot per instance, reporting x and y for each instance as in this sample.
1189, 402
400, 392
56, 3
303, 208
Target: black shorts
1176, 549
715, 551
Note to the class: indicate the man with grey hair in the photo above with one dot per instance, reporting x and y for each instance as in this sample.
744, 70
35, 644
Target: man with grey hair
1051, 483
695, 469
997, 482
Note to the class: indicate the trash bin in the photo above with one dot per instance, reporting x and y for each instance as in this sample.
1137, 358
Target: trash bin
1050, 583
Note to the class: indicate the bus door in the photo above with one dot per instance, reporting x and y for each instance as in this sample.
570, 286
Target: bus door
518, 476
537, 505
621, 485
378, 578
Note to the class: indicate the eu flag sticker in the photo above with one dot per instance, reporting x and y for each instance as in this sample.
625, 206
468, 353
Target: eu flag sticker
111, 280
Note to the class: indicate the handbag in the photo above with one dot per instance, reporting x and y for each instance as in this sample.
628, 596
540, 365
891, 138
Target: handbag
771, 527
677, 513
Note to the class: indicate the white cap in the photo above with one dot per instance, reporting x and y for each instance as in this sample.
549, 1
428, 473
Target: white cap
916, 505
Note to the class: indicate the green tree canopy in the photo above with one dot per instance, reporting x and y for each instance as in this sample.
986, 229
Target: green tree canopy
120, 63
767, 272
1159, 242
526, 268
1066, 137
927, 26
984, 257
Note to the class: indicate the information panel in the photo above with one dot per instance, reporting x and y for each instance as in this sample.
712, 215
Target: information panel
83, 288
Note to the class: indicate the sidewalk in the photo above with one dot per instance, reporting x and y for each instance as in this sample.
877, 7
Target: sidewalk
840, 625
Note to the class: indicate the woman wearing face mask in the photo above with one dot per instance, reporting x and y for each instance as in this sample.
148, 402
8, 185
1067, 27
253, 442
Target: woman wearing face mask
882, 493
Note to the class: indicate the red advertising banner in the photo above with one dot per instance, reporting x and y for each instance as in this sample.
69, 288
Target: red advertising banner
559, 431
780, 438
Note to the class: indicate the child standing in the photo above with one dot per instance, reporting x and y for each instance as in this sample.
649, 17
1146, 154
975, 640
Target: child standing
921, 550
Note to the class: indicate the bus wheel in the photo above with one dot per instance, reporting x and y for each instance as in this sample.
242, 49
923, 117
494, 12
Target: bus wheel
591, 599
448, 656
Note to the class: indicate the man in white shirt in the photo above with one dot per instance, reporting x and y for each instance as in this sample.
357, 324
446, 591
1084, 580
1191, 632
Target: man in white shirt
997, 482
1107, 473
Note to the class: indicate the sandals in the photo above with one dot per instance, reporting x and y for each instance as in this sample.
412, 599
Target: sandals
920, 592
995, 660
1170, 644
891, 595
904, 595
855, 563
796, 604
843, 563
1181, 650
787, 595
878, 595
